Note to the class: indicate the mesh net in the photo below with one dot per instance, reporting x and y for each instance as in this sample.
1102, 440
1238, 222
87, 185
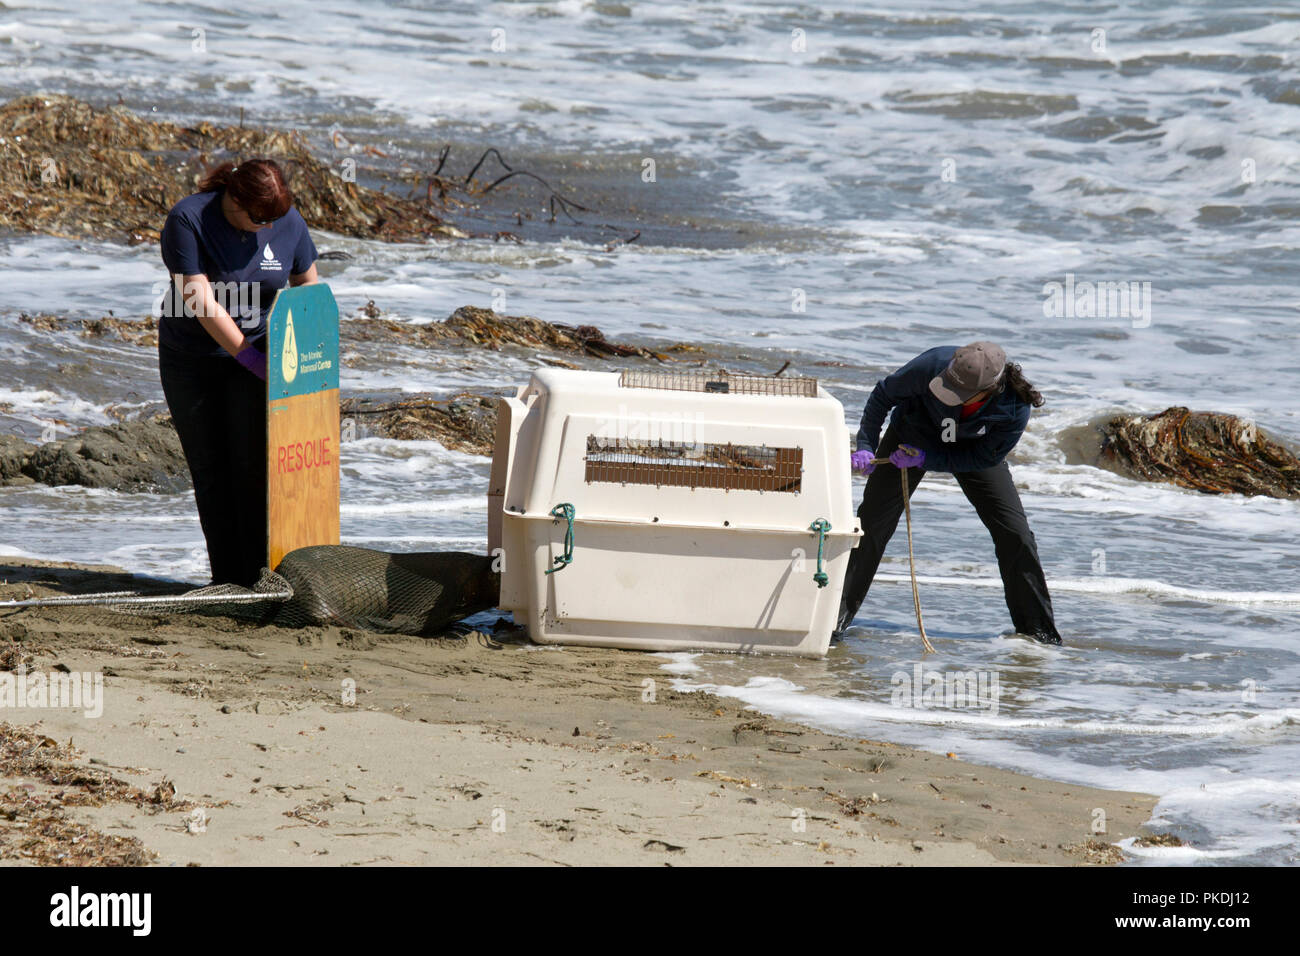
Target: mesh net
694, 464
421, 593
719, 382
260, 601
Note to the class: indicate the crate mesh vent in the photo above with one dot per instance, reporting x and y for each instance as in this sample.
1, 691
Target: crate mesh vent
720, 382
694, 464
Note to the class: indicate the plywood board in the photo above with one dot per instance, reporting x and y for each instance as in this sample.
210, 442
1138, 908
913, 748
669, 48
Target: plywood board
302, 421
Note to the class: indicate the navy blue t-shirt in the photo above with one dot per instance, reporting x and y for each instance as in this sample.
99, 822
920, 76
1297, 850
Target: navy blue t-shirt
246, 269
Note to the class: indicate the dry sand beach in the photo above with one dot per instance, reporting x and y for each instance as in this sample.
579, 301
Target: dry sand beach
226, 743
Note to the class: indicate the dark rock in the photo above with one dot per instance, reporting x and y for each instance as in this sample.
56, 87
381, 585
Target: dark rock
130, 456
14, 456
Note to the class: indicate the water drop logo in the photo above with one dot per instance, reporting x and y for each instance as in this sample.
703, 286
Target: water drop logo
269, 261
289, 354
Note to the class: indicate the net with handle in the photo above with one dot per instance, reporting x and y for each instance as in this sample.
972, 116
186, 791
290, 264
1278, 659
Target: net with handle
418, 593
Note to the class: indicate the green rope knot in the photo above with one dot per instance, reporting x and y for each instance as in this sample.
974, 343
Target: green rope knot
566, 512
821, 526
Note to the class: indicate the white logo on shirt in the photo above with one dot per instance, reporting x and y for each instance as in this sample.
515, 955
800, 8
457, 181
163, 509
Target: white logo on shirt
269, 261
983, 429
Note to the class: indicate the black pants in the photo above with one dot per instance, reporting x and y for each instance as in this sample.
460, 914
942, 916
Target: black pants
219, 409
996, 501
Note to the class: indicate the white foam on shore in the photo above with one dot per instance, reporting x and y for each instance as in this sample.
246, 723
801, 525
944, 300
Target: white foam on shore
679, 662
1174, 855
1148, 587
1253, 815
386, 541
44, 405
183, 561
467, 505
781, 697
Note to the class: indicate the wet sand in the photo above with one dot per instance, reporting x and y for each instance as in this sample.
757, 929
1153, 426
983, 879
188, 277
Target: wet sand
480, 749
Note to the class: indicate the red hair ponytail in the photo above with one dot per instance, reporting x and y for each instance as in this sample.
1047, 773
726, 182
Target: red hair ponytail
258, 186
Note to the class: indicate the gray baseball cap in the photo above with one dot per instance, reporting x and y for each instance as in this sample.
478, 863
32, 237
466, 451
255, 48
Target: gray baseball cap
973, 368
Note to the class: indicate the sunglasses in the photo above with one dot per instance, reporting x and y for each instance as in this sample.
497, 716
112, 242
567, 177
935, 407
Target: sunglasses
254, 221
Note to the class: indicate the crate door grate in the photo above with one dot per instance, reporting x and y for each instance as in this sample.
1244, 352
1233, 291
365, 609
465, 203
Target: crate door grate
720, 382
725, 467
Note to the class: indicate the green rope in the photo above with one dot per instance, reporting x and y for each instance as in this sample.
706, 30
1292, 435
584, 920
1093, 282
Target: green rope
821, 526
566, 512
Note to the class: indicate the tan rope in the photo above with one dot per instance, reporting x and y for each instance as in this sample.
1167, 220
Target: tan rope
911, 560
911, 557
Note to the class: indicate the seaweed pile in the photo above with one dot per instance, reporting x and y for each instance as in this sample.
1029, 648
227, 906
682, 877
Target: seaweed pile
136, 331
1207, 451
144, 454
71, 170
468, 326
465, 422
43, 780
484, 328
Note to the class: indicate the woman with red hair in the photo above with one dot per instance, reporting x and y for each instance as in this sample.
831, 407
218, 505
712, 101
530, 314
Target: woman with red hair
229, 248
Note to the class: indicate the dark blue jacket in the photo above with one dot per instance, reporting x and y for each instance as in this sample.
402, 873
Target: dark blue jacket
981, 441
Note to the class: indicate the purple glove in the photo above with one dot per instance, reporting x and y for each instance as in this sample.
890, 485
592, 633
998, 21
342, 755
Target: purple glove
906, 456
253, 360
862, 461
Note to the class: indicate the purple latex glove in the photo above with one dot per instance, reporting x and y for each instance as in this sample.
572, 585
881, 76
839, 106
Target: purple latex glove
907, 456
861, 461
253, 360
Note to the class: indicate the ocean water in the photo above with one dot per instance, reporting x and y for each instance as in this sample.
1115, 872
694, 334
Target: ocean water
913, 178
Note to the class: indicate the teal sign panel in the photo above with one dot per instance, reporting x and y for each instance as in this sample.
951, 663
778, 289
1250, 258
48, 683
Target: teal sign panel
302, 348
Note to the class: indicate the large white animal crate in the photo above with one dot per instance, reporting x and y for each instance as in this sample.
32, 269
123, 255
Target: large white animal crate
672, 510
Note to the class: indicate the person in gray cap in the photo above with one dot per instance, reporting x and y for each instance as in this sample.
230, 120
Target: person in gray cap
959, 410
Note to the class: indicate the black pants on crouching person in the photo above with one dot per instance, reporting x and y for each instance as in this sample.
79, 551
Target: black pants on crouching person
219, 410
997, 503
